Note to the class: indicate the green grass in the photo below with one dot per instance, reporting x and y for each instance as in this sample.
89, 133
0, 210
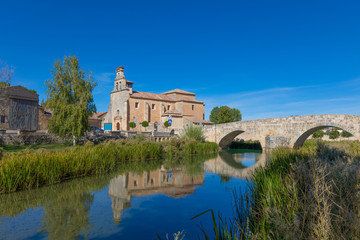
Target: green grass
310, 193
29, 169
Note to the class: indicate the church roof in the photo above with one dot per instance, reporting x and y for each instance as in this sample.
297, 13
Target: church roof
154, 96
179, 91
198, 120
162, 97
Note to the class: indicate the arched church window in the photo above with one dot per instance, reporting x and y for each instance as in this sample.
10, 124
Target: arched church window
117, 86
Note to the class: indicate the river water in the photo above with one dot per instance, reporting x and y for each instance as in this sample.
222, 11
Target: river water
133, 203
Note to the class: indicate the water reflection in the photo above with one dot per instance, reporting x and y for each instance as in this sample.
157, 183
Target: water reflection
171, 182
235, 164
66, 207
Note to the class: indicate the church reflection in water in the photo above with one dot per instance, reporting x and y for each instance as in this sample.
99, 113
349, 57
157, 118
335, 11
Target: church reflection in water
174, 183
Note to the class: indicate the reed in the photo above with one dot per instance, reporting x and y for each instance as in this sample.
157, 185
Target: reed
27, 170
310, 193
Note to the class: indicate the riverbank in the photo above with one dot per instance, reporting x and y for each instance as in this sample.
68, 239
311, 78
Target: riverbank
310, 193
27, 170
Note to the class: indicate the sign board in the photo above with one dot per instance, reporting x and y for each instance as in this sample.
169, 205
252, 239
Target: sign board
170, 121
170, 117
135, 121
140, 123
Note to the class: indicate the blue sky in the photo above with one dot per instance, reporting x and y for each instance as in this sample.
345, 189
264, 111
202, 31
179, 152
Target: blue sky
267, 58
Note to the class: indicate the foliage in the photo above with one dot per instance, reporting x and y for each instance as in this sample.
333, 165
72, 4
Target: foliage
145, 124
6, 72
346, 134
225, 114
318, 134
28, 169
241, 144
132, 125
194, 132
69, 94
166, 124
333, 134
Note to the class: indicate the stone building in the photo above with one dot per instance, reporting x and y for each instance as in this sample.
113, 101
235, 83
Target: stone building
18, 109
127, 105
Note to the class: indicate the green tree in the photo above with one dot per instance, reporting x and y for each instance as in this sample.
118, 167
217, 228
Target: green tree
166, 124
318, 134
69, 96
225, 114
145, 124
132, 125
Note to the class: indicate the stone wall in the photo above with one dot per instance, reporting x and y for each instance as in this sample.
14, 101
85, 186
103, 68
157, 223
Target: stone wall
30, 139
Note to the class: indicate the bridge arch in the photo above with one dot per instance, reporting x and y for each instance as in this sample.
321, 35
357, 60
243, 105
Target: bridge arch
299, 140
228, 138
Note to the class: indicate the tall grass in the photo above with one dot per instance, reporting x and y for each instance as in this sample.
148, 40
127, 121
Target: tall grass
310, 193
33, 169
194, 132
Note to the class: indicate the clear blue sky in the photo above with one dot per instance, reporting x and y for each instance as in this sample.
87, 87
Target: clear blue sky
267, 58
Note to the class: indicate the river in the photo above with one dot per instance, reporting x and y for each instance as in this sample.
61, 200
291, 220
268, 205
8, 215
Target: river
138, 203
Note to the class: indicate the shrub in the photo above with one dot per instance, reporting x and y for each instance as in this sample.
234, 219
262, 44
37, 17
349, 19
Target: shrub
132, 125
145, 124
195, 133
166, 124
334, 134
318, 134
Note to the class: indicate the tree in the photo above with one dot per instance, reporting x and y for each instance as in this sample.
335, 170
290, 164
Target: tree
166, 124
6, 72
224, 114
318, 134
145, 124
132, 125
69, 96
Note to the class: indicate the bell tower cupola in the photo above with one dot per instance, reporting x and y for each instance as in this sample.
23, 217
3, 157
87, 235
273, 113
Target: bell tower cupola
120, 81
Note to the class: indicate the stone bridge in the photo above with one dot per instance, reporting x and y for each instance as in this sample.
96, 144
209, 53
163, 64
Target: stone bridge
281, 132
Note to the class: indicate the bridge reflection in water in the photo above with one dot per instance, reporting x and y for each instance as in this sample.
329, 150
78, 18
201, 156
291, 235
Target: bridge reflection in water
176, 182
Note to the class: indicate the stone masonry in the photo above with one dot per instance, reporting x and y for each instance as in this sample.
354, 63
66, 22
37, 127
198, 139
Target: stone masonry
286, 131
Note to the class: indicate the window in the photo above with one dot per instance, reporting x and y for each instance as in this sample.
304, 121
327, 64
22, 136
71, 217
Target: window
118, 112
168, 107
192, 107
153, 106
2, 119
117, 86
136, 105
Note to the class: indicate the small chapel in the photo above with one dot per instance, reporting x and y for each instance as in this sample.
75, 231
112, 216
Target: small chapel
127, 105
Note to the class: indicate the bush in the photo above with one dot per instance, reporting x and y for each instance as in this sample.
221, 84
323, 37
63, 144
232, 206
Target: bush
195, 133
334, 134
145, 124
132, 125
318, 134
166, 124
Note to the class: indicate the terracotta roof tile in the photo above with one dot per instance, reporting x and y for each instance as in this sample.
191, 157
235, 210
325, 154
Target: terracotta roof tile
154, 96
179, 91
198, 120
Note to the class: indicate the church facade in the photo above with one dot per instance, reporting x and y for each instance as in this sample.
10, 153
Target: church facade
127, 105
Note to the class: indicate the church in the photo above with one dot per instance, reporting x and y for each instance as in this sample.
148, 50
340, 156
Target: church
127, 105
